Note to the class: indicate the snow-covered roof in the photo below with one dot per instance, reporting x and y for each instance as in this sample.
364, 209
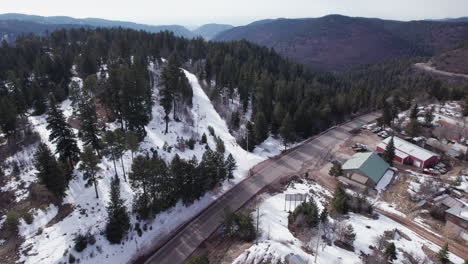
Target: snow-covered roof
460, 211
409, 148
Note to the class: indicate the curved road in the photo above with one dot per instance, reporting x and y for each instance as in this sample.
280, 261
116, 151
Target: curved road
188, 237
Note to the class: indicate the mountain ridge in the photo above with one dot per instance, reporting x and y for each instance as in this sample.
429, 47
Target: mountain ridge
337, 42
97, 22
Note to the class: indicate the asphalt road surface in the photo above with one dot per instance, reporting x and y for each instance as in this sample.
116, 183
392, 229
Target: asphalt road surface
191, 235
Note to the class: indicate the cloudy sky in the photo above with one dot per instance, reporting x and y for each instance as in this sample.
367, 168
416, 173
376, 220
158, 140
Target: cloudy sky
237, 12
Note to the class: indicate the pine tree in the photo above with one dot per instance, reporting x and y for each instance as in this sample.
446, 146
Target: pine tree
286, 130
118, 220
414, 112
120, 141
387, 115
442, 255
230, 166
7, 116
203, 139
336, 170
324, 215
89, 166
140, 177
90, 130
260, 127
429, 116
413, 128
132, 142
349, 235
339, 202
49, 171
278, 116
390, 252
111, 148
389, 153
175, 88
220, 145
62, 135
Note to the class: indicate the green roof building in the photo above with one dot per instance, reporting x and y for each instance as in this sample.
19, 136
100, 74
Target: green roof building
365, 168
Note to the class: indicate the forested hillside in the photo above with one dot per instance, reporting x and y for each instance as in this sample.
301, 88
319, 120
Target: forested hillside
96, 22
111, 124
284, 97
338, 42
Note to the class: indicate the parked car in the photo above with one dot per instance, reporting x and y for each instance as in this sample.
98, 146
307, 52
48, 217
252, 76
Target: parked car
383, 134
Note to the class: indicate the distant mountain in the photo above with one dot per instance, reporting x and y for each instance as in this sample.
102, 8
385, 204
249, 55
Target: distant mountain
459, 19
11, 29
338, 42
455, 60
209, 31
97, 22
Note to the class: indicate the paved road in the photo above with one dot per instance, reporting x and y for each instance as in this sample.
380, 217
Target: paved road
190, 236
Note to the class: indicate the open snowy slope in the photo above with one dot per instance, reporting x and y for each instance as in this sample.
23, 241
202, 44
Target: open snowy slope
51, 243
277, 242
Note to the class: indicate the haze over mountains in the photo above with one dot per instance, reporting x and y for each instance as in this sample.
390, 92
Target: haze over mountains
332, 42
338, 42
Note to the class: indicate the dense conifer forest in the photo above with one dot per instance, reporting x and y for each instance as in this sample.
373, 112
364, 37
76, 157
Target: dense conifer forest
285, 97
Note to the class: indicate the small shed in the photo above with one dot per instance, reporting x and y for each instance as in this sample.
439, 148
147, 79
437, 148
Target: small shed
457, 221
365, 168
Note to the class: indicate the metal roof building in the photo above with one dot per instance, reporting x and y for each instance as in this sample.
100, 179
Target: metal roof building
365, 168
407, 152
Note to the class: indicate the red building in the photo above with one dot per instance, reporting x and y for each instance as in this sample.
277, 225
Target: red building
409, 153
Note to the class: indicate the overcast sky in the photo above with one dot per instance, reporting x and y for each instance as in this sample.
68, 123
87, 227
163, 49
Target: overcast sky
237, 12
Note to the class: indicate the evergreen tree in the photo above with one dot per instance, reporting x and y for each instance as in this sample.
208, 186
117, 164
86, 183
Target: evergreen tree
118, 221
339, 202
260, 127
112, 148
286, 130
7, 116
413, 128
220, 145
278, 115
120, 143
389, 154
140, 177
49, 171
387, 114
429, 116
442, 255
349, 235
89, 166
203, 139
176, 88
324, 215
336, 170
414, 112
62, 135
390, 252
132, 142
230, 166
90, 130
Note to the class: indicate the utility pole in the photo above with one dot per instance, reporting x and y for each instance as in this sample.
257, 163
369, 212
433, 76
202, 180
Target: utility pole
258, 220
198, 116
318, 242
247, 140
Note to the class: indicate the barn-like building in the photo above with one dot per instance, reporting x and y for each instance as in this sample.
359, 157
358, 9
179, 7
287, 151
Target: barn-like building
409, 153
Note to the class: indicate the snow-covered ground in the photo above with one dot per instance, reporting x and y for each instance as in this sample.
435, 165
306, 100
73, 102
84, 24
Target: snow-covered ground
276, 242
89, 214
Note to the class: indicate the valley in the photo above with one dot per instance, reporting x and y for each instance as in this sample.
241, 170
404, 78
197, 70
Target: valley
200, 133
